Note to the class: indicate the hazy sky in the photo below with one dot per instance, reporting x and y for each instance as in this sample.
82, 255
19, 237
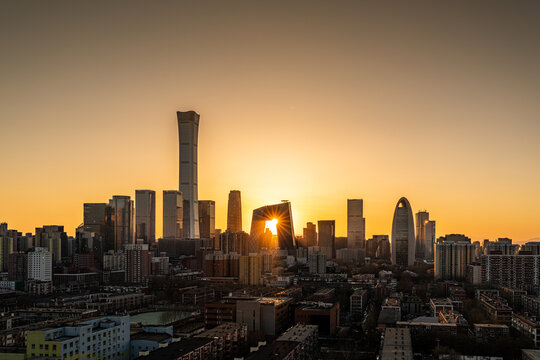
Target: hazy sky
310, 101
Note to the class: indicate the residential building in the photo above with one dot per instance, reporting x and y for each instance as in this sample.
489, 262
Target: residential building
396, 344
452, 257
106, 337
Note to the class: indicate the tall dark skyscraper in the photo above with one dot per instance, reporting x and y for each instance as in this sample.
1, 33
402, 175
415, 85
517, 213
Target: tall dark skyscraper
327, 238
234, 211
403, 240
425, 236
310, 234
207, 219
123, 218
356, 223
188, 134
172, 214
145, 215
282, 216
99, 219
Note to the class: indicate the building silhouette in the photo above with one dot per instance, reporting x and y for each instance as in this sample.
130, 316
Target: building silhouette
327, 238
234, 211
207, 219
356, 223
98, 219
145, 215
310, 235
285, 231
172, 214
123, 220
188, 133
425, 236
403, 240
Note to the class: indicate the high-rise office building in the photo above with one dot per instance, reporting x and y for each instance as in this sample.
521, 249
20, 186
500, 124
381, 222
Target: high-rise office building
403, 240
310, 234
123, 220
356, 223
39, 264
422, 218
327, 238
188, 134
207, 219
172, 214
98, 218
281, 215
429, 248
234, 211
425, 236
145, 215
452, 255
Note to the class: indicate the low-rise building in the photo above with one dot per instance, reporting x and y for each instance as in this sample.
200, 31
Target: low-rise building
531, 304
440, 305
529, 325
397, 344
149, 339
486, 333
497, 308
326, 315
198, 348
106, 337
230, 338
307, 335
266, 314
358, 302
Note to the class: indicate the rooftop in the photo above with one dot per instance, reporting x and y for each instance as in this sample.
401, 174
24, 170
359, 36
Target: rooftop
180, 348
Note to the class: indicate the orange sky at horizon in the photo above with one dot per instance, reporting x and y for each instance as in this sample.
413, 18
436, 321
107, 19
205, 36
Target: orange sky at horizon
436, 102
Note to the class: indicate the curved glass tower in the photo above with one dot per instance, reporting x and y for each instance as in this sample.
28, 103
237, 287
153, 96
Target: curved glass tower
403, 240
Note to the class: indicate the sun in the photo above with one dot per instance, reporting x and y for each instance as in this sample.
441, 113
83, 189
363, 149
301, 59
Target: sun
272, 226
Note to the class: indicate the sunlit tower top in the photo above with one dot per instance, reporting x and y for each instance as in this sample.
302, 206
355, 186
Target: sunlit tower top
188, 133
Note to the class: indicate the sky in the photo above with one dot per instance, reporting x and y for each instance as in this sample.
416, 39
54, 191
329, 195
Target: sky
310, 101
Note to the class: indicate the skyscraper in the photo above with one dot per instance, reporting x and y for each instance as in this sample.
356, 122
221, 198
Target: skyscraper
430, 240
234, 211
123, 220
99, 219
310, 234
207, 219
281, 216
145, 215
403, 240
39, 264
422, 219
356, 223
327, 238
188, 133
172, 214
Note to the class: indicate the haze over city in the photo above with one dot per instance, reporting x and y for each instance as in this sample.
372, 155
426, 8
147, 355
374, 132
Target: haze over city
313, 104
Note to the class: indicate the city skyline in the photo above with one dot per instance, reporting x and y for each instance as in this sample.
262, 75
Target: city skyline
462, 98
